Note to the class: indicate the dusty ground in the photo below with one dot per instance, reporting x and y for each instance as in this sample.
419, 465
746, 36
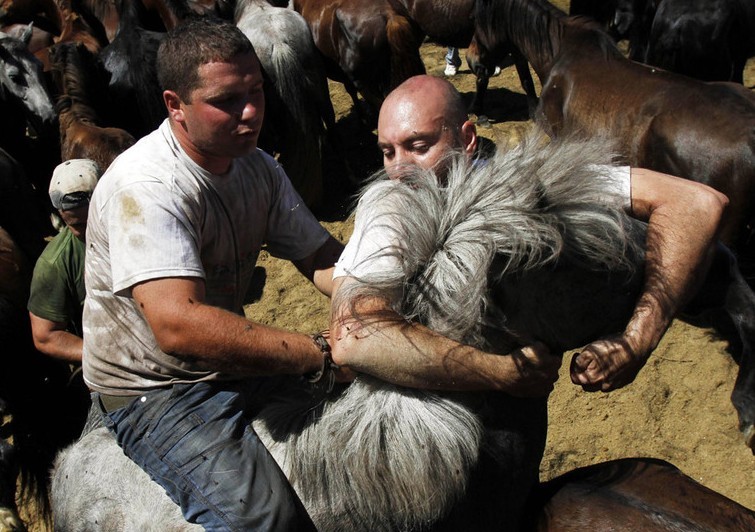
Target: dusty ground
678, 409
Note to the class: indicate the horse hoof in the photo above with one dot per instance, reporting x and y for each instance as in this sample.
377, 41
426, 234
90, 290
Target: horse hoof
749, 434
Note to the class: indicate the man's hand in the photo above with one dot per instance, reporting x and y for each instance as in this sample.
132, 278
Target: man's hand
536, 371
606, 365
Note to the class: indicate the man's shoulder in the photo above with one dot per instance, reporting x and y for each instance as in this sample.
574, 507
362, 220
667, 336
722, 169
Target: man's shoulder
63, 242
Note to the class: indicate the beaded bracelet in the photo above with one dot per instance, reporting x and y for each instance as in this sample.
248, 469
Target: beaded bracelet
325, 376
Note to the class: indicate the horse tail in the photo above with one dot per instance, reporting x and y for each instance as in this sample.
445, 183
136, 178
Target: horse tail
404, 42
305, 102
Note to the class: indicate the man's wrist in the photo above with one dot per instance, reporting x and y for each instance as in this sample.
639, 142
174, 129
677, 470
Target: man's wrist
325, 376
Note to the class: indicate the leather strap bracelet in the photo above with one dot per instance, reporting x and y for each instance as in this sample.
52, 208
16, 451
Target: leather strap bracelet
324, 377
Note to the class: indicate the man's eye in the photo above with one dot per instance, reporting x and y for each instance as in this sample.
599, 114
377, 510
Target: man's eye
420, 148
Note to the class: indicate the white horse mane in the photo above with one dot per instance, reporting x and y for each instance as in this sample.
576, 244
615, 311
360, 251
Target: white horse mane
525, 208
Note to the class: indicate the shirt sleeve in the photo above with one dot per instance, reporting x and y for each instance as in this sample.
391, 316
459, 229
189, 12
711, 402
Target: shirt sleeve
293, 231
372, 246
619, 183
48, 296
151, 236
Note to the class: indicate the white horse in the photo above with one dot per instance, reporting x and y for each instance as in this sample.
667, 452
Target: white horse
298, 107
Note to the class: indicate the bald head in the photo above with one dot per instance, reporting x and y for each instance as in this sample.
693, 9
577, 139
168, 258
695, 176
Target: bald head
421, 121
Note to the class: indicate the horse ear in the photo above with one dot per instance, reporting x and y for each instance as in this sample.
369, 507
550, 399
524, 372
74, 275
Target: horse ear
26, 35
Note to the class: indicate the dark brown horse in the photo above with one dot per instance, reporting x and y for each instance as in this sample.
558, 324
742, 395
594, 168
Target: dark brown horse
705, 39
633, 494
452, 23
670, 123
366, 45
663, 121
81, 134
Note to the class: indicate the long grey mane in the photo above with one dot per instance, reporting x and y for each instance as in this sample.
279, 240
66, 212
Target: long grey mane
524, 209
405, 455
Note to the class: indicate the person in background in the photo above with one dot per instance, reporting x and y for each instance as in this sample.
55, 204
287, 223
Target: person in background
453, 61
57, 292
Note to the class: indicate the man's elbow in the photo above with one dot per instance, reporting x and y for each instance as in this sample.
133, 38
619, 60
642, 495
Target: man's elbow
712, 204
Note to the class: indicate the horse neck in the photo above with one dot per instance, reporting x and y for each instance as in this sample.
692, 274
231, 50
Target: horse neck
541, 43
73, 111
245, 8
534, 27
75, 29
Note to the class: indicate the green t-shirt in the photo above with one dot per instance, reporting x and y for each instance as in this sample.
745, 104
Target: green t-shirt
57, 287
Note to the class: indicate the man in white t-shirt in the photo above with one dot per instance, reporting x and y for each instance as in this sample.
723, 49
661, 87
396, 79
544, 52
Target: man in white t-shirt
419, 123
175, 228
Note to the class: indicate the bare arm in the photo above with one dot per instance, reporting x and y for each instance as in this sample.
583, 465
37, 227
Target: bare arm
683, 218
52, 339
221, 341
318, 267
386, 346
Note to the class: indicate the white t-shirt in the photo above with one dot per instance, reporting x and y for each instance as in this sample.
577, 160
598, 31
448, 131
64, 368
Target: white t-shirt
154, 214
371, 248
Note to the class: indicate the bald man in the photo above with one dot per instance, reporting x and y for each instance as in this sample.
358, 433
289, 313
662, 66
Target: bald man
425, 118
420, 123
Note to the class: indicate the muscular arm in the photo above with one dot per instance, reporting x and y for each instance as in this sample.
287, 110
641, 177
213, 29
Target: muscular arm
382, 344
52, 338
683, 218
222, 341
318, 267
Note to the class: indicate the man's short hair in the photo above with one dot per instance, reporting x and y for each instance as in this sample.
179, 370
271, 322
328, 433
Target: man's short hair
195, 42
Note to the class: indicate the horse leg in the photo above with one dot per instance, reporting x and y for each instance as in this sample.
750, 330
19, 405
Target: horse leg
725, 290
9, 519
482, 78
525, 78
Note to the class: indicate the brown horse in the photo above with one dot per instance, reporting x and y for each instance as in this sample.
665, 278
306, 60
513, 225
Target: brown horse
658, 120
701, 131
452, 23
633, 494
366, 45
81, 136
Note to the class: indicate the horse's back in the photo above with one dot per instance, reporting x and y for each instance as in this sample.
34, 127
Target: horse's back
128, 500
640, 494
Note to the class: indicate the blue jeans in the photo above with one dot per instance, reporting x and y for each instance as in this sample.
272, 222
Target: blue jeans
452, 57
195, 440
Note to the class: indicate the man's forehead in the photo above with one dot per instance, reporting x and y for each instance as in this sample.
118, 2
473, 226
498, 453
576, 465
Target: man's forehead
409, 119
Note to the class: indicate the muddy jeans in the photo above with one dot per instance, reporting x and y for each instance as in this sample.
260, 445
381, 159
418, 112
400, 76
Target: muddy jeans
196, 442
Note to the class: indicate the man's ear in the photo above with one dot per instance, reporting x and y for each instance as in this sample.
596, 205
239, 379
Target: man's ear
469, 137
174, 106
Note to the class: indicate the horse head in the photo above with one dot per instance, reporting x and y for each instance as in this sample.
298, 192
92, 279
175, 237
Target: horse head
22, 82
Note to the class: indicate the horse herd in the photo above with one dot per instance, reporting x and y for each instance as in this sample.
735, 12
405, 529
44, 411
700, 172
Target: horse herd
78, 80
